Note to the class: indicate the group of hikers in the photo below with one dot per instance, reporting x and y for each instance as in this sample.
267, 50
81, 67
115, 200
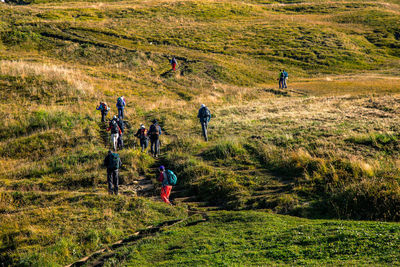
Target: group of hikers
283, 77
117, 125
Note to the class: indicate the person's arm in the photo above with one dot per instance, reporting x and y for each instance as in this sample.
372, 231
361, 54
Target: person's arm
159, 129
98, 108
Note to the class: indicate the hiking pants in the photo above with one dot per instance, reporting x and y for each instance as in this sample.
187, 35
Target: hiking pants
114, 140
204, 126
120, 141
281, 83
165, 192
112, 181
285, 82
144, 142
103, 115
173, 66
155, 145
120, 113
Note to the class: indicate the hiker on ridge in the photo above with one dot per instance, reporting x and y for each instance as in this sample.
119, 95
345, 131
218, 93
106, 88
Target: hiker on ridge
115, 132
143, 137
168, 179
103, 109
173, 63
120, 141
280, 79
154, 134
120, 106
285, 78
204, 115
112, 162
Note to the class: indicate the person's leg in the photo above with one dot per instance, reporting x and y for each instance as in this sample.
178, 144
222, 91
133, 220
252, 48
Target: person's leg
119, 113
142, 144
168, 192
152, 146
165, 194
122, 113
109, 181
120, 141
115, 141
204, 130
286, 82
103, 114
115, 181
157, 146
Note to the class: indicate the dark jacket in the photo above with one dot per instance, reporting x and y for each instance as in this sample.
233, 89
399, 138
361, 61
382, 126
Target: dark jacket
141, 135
107, 162
155, 130
121, 125
201, 115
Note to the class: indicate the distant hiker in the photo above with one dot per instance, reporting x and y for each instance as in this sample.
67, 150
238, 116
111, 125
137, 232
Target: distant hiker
112, 162
154, 134
168, 179
103, 109
173, 63
120, 106
280, 79
143, 137
204, 115
115, 132
285, 78
120, 141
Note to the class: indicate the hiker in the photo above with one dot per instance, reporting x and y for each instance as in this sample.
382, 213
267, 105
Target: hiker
173, 63
115, 132
168, 179
120, 141
154, 134
112, 162
143, 137
120, 106
204, 115
285, 78
103, 109
280, 79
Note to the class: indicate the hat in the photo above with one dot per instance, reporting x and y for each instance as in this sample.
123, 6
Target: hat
162, 168
202, 105
154, 121
142, 126
115, 116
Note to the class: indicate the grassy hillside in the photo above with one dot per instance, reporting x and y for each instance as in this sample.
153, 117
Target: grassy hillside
326, 148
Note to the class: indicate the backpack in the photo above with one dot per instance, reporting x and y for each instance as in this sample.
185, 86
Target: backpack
114, 126
142, 133
154, 130
120, 102
114, 161
172, 179
205, 112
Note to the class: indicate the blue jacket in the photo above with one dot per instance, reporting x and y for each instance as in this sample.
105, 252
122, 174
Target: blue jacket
123, 104
285, 74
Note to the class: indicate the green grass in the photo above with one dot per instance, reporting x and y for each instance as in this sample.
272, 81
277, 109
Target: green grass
327, 148
259, 238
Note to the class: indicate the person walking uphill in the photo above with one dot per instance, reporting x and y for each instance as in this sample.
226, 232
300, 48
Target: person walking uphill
112, 162
168, 179
173, 63
120, 141
204, 115
143, 137
121, 106
103, 109
285, 78
115, 132
281, 79
154, 134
